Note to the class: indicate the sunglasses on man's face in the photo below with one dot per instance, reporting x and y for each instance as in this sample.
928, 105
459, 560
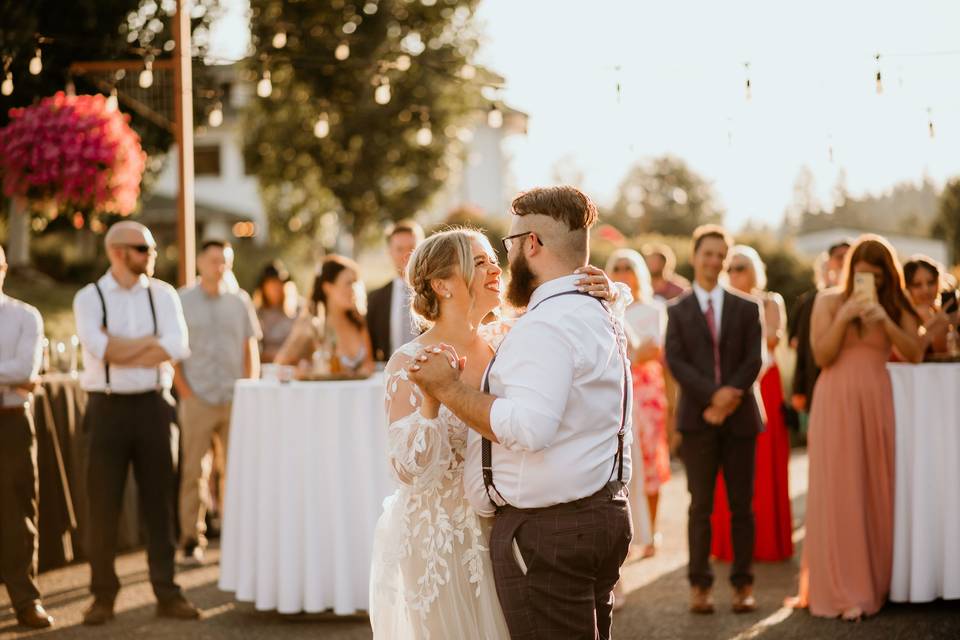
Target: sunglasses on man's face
140, 248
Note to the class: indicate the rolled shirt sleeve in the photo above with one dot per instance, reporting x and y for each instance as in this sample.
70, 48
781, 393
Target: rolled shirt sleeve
89, 320
526, 415
171, 325
25, 363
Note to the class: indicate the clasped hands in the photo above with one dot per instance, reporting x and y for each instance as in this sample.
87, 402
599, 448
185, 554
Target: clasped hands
435, 366
724, 402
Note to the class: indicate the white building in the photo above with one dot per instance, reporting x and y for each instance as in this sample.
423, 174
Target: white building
812, 243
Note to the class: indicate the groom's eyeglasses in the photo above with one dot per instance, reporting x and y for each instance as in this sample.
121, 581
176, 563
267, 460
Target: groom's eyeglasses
507, 241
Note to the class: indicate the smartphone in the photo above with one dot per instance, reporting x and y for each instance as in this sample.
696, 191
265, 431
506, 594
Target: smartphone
948, 301
864, 286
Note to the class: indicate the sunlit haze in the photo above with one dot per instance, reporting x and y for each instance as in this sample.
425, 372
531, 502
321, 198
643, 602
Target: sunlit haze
680, 66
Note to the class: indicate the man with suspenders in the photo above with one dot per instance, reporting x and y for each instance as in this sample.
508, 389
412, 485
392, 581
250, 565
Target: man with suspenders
549, 448
132, 329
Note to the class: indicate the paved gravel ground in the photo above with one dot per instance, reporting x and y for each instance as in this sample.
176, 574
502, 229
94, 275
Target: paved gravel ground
656, 604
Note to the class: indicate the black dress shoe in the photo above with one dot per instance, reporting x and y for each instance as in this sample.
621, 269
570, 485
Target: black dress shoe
98, 612
178, 608
35, 617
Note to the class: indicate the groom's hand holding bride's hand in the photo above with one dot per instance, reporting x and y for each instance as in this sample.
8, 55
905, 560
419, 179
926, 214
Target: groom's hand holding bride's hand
435, 366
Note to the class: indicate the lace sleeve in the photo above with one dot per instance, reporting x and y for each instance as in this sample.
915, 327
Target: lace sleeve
418, 448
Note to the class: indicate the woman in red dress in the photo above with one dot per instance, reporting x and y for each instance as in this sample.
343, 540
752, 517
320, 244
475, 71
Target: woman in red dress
773, 540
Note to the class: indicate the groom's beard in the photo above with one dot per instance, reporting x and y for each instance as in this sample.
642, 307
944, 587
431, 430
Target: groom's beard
522, 282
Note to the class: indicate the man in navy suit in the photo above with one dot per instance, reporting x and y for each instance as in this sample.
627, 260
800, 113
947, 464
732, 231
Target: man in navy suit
388, 308
713, 349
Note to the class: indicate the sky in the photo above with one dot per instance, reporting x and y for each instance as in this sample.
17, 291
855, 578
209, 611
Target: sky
680, 67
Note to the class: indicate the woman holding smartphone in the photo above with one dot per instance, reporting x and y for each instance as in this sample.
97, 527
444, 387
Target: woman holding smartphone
848, 551
923, 278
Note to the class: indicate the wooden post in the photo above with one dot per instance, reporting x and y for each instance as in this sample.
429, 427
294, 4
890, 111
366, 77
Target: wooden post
183, 133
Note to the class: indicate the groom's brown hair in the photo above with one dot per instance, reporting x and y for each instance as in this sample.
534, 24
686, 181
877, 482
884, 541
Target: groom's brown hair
564, 203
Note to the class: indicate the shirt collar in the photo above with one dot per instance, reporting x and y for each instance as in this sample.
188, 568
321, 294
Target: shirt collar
703, 296
109, 283
550, 287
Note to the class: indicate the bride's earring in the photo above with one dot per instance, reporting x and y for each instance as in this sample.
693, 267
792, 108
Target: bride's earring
448, 295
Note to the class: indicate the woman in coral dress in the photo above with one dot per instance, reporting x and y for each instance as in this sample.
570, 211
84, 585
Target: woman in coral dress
646, 319
848, 549
773, 541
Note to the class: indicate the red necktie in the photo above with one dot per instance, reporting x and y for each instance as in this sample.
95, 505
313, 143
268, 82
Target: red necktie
712, 325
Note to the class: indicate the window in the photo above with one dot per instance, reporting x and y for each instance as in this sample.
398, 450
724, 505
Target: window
206, 160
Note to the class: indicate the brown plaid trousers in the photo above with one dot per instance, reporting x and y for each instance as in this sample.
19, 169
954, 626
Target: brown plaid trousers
572, 552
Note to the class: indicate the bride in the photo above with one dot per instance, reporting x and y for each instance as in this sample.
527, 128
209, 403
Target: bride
431, 575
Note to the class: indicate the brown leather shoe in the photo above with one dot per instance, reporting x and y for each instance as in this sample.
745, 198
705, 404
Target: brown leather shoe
177, 608
98, 612
700, 600
743, 600
35, 617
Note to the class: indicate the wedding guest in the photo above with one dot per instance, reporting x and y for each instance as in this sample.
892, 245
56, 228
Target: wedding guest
661, 261
275, 299
647, 319
390, 322
848, 549
334, 319
21, 349
773, 522
806, 371
224, 332
924, 283
713, 348
132, 329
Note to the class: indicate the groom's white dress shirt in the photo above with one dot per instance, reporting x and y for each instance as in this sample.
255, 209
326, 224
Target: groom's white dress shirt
558, 379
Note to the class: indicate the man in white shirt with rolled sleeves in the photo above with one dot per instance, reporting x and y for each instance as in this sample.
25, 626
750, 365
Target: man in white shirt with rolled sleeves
549, 450
132, 329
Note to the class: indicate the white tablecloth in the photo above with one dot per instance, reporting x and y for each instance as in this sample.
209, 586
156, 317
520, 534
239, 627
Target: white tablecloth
926, 547
306, 477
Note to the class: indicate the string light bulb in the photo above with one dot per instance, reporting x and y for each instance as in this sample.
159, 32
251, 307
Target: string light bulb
264, 86
215, 117
342, 52
748, 85
112, 102
494, 117
7, 87
930, 123
879, 76
424, 135
36, 63
382, 93
146, 76
279, 39
403, 62
322, 127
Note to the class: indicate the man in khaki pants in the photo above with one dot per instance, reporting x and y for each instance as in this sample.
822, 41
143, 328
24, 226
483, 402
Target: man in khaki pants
224, 334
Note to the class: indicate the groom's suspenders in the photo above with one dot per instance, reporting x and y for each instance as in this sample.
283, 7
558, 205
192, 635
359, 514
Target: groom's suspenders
486, 450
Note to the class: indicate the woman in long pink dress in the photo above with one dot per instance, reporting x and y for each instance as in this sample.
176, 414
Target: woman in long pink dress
773, 541
646, 318
848, 550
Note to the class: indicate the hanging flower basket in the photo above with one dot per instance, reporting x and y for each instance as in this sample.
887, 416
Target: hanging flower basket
72, 153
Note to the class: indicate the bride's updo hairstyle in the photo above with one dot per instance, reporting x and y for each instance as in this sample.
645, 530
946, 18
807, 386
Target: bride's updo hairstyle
439, 257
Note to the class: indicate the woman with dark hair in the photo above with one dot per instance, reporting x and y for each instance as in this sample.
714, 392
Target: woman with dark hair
848, 551
275, 299
924, 282
333, 319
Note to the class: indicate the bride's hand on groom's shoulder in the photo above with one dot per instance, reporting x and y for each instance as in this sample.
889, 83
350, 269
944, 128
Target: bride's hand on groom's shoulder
596, 282
435, 366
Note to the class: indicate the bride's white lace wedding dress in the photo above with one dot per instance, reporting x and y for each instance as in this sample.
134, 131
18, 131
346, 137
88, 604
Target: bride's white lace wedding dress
431, 575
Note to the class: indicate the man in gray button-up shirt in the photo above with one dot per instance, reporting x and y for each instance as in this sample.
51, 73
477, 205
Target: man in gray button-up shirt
21, 335
224, 333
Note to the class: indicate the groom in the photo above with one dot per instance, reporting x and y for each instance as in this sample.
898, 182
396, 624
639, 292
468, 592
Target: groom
549, 450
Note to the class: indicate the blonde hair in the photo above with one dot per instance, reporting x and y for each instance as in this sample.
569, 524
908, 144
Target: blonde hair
640, 270
756, 264
441, 256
